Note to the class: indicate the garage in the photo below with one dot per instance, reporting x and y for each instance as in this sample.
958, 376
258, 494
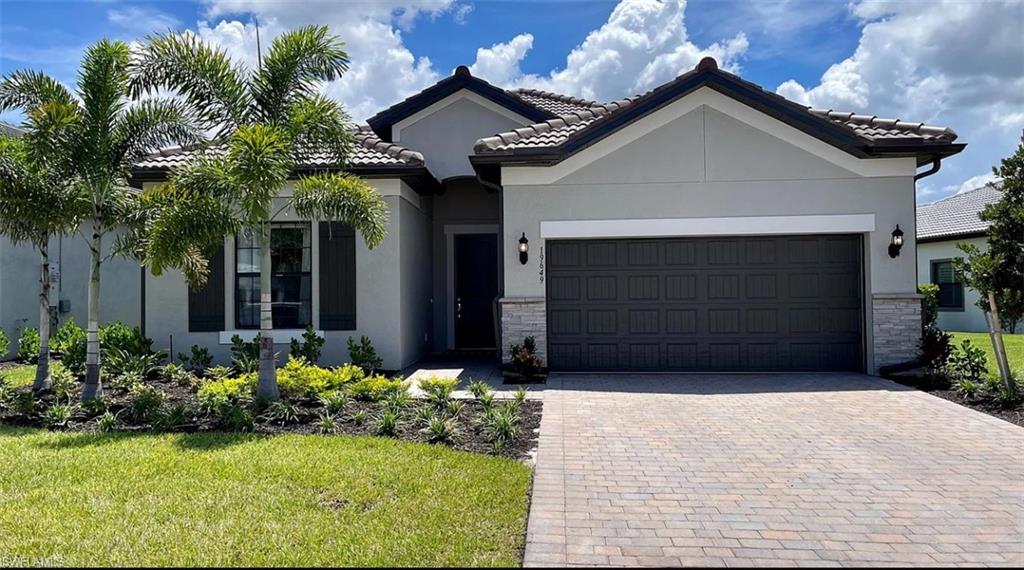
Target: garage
708, 304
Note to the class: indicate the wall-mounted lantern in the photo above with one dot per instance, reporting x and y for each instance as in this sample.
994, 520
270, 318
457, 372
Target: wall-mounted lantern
524, 249
896, 243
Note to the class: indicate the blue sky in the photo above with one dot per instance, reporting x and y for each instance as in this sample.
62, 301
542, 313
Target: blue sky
957, 63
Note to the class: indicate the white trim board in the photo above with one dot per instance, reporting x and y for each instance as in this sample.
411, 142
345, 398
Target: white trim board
450, 231
396, 129
732, 226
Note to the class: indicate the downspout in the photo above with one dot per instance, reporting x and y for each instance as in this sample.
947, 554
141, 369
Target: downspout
936, 165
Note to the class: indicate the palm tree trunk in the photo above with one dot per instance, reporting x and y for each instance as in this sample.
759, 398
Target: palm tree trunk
43, 366
93, 388
267, 387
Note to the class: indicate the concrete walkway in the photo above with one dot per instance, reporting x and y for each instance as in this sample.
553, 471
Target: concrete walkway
739, 470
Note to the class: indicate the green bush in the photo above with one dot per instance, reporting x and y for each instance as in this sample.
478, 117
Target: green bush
299, 379
310, 347
967, 362
63, 383
69, 339
119, 336
58, 415
108, 422
198, 361
440, 429
180, 376
524, 358
501, 424
968, 388
28, 345
376, 388
334, 402
363, 355
144, 403
125, 368
387, 422
245, 356
281, 413
5, 344
215, 393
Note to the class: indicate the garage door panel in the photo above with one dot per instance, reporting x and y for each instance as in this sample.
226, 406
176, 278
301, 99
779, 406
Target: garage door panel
759, 303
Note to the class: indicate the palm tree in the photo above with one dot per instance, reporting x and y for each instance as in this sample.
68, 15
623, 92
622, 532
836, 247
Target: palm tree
105, 133
269, 123
38, 201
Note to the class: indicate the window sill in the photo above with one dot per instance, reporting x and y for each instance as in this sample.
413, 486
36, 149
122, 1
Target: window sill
281, 336
951, 309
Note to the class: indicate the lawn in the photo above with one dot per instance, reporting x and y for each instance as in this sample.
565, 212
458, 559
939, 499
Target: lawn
246, 500
1014, 344
19, 375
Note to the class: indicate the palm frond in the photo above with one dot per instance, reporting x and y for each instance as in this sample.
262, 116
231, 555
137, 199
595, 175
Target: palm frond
297, 63
29, 89
103, 85
52, 135
35, 202
319, 125
261, 161
343, 198
203, 75
152, 124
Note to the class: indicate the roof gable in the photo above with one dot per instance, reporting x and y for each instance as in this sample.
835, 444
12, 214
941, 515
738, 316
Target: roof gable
382, 122
859, 135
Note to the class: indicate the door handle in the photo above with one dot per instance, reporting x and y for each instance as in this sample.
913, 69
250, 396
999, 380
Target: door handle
458, 307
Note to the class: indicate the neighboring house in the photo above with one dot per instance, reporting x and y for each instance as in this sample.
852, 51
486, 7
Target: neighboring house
941, 226
707, 225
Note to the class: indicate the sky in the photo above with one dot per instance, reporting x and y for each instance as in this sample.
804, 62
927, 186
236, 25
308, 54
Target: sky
955, 63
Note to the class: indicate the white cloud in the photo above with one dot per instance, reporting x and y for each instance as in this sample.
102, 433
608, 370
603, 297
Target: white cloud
461, 13
947, 62
142, 21
642, 45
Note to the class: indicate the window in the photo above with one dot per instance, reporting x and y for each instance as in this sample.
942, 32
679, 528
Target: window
290, 279
951, 292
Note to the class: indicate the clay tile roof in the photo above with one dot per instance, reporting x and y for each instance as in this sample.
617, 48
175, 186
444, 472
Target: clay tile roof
368, 150
868, 129
956, 215
553, 102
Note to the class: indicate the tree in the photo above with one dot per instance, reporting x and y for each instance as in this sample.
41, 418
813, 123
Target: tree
106, 133
269, 123
998, 272
37, 201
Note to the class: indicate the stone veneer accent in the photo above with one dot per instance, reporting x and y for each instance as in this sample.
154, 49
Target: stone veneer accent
896, 327
522, 317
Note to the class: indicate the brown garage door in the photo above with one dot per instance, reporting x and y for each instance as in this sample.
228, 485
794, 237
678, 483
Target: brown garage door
705, 304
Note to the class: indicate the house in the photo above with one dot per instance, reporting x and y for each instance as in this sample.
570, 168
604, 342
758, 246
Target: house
942, 225
707, 225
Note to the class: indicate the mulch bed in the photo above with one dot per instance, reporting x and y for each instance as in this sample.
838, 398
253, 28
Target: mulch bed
1013, 414
470, 435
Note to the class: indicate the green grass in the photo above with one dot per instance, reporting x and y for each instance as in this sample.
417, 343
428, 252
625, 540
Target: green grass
20, 375
1014, 344
247, 500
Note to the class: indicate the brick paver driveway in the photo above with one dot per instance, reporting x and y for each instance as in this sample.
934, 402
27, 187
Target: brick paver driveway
770, 470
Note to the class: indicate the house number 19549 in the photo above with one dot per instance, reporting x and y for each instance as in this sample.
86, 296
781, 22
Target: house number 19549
541, 261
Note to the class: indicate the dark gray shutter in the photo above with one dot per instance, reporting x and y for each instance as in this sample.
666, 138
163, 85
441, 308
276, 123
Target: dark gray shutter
206, 305
337, 277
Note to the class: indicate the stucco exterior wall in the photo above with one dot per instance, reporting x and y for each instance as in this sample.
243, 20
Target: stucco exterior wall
970, 318
380, 295
416, 282
446, 131
705, 164
120, 285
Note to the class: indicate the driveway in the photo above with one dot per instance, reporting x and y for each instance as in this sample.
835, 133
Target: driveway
739, 470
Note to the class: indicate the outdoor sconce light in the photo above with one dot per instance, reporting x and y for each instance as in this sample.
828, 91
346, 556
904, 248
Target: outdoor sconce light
524, 248
897, 242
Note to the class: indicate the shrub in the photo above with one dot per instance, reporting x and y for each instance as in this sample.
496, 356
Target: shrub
334, 402
438, 390
127, 368
281, 413
232, 415
454, 407
144, 403
298, 379
63, 383
5, 344
967, 362
119, 336
58, 415
478, 388
69, 339
218, 372
215, 393
487, 400
108, 422
363, 355
968, 388
524, 358
440, 429
6, 392
359, 418
28, 345
387, 422
501, 425
326, 424
245, 356
935, 344
180, 376
397, 401
198, 361
95, 406
424, 414
520, 396
25, 403
171, 417
376, 388
310, 347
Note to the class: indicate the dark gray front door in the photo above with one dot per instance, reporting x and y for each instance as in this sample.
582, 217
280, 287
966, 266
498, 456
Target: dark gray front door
706, 304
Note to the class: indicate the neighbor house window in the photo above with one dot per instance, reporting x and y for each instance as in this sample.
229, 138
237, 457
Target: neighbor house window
951, 292
290, 279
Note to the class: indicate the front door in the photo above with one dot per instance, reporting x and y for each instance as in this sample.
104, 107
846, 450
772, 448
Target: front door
476, 286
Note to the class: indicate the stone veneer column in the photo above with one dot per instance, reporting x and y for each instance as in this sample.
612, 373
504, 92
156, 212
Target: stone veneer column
522, 317
896, 327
